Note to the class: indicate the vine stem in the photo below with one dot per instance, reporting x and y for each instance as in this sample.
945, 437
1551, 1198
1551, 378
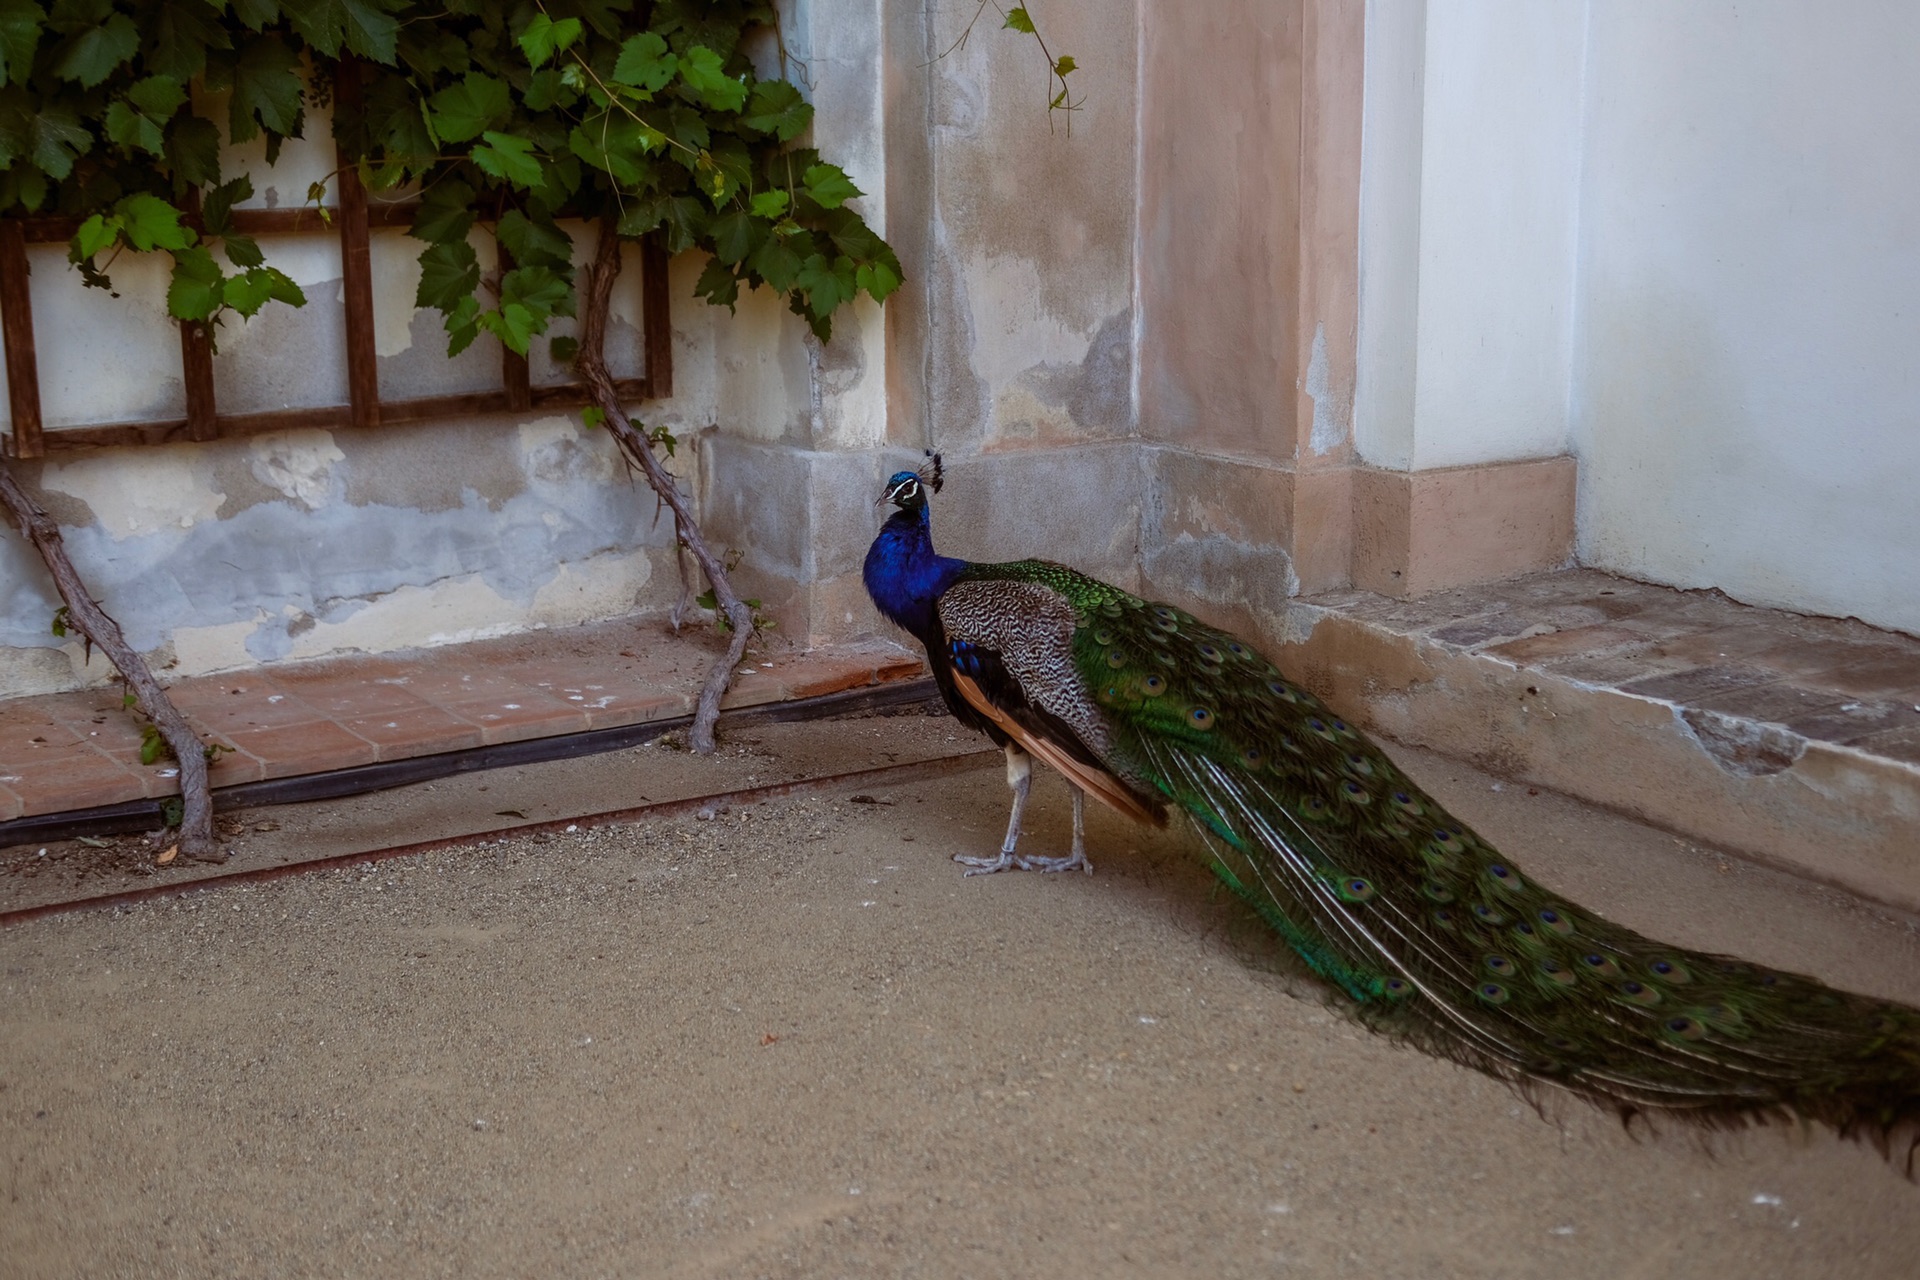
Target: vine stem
90, 620
592, 365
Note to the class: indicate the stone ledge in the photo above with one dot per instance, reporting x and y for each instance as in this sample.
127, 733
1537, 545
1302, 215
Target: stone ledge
1796, 739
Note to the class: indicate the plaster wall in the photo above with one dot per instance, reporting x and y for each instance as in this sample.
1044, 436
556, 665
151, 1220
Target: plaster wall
1469, 202
1745, 377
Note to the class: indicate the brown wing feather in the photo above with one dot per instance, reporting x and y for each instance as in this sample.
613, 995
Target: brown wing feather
1098, 783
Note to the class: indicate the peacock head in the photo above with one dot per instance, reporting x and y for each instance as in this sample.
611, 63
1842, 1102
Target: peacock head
907, 490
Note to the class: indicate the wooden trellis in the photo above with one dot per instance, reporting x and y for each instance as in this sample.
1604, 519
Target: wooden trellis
354, 219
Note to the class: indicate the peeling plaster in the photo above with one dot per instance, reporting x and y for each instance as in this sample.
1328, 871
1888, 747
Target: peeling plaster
298, 464
170, 489
1744, 748
1331, 421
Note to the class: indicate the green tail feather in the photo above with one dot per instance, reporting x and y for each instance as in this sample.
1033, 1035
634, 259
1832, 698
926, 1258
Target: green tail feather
1430, 931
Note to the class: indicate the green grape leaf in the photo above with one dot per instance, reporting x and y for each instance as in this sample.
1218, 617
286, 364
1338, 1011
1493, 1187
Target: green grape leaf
449, 271
718, 285
464, 111
563, 350
216, 208
1018, 20
877, 278
132, 130
645, 63
266, 90
508, 158
195, 293
544, 37
91, 56
96, 233
776, 263
826, 284
542, 290
445, 211
513, 324
776, 107
183, 31
368, 29
247, 292
1064, 66
151, 223
700, 68
243, 251
284, 288
534, 245
771, 205
158, 96
193, 150
829, 186
734, 235
617, 144
257, 13
58, 138
19, 36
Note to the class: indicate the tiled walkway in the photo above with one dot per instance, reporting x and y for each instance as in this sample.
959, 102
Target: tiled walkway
79, 750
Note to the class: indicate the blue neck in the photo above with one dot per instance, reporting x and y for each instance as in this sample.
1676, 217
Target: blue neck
905, 575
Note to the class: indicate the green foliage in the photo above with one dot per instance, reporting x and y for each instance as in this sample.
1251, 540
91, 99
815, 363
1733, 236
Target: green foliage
515, 115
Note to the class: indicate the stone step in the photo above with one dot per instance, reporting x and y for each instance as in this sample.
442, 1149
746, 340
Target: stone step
1791, 738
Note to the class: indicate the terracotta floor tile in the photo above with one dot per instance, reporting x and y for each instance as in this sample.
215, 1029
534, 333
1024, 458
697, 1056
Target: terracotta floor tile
80, 779
524, 715
286, 751
456, 680
900, 667
27, 732
608, 710
243, 703
341, 694
815, 677
418, 730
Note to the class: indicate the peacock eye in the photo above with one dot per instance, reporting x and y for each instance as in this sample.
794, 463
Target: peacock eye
1201, 717
1154, 686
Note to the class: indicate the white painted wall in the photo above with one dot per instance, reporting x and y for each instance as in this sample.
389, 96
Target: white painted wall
1746, 409
1682, 240
1469, 191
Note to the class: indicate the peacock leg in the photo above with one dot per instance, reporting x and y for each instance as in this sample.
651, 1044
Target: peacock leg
1020, 779
1078, 857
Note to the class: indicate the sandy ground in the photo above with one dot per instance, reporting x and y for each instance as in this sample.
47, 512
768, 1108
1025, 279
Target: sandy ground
790, 1040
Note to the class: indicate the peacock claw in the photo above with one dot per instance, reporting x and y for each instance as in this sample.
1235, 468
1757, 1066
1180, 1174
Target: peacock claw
1004, 861
1073, 861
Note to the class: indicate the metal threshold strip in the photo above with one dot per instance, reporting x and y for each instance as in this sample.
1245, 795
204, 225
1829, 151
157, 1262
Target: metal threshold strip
145, 815
887, 775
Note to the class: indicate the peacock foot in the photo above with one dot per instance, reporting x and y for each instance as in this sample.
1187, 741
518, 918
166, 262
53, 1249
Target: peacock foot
1077, 860
1003, 861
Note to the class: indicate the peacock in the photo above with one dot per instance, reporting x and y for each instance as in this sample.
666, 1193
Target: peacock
1429, 933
